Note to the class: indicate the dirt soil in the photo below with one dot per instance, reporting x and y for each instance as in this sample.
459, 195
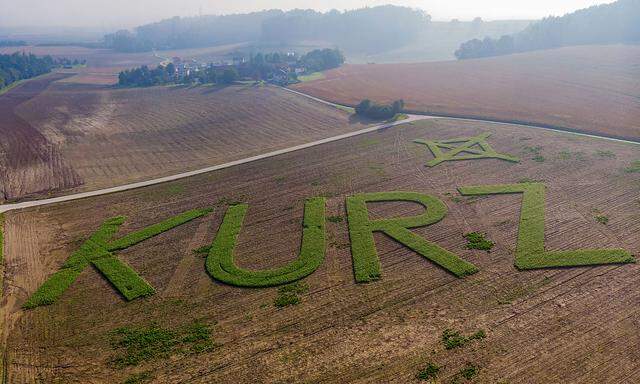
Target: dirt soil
30, 163
593, 89
109, 136
573, 325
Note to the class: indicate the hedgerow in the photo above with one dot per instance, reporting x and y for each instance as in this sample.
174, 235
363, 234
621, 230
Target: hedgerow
530, 252
366, 264
97, 251
220, 261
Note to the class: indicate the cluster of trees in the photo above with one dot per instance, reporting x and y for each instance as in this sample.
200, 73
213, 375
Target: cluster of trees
367, 29
19, 66
166, 74
322, 59
602, 24
369, 109
12, 43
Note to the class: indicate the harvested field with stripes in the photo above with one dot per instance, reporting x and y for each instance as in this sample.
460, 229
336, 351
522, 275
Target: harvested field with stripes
499, 324
592, 89
89, 137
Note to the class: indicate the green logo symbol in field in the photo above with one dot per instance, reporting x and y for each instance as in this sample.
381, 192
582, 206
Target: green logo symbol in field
464, 148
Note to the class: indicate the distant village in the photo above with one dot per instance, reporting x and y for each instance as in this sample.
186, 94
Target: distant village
281, 68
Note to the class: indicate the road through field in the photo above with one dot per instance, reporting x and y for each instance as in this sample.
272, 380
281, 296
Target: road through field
105, 191
125, 187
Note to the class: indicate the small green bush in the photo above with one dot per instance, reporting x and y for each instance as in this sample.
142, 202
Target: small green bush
289, 294
602, 219
634, 167
477, 240
454, 339
335, 219
137, 345
469, 371
138, 378
429, 372
608, 154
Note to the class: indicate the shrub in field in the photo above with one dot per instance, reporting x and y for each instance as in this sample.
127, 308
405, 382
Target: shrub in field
136, 345
454, 339
530, 252
634, 167
366, 264
469, 371
429, 372
602, 219
477, 240
372, 110
289, 294
221, 266
98, 251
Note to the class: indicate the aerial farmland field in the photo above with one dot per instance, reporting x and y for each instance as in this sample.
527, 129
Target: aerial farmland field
591, 89
96, 136
498, 324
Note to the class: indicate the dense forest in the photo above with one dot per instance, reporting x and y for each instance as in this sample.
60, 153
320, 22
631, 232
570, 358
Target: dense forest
19, 66
617, 22
367, 29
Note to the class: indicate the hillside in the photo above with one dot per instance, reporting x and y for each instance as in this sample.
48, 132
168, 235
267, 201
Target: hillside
340, 331
93, 137
592, 89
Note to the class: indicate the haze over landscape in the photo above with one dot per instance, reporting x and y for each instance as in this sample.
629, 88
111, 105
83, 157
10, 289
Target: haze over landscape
127, 14
420, 191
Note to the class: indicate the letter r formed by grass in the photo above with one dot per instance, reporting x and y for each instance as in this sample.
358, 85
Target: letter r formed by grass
98, 251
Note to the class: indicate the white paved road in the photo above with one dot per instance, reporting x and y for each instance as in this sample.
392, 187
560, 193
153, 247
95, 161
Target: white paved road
126, 187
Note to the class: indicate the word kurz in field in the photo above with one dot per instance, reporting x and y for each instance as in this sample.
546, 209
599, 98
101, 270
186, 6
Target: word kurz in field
99, 249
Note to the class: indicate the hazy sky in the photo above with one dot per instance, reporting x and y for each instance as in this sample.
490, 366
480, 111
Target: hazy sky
128, 13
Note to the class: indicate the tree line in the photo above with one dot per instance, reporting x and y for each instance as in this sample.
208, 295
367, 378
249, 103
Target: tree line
617, 22
19, 66
368, 108
367, 29
166, 74
259, 66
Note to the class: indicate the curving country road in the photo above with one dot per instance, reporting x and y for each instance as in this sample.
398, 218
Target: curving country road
126, 187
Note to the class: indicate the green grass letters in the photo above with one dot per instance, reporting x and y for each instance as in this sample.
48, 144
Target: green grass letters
366, 264
530, 252
98, 251
220, 263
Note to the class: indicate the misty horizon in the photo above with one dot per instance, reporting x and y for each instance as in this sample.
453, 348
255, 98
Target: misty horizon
120, 14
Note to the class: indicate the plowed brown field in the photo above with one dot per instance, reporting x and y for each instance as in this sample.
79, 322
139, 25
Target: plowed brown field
588, 89
29, 163
574, 325
109, 136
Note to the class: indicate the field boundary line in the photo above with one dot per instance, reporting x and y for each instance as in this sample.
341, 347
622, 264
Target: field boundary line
178, 176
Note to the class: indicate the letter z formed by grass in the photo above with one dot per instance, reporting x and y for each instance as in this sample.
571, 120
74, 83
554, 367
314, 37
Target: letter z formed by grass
530, 253
98, 251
